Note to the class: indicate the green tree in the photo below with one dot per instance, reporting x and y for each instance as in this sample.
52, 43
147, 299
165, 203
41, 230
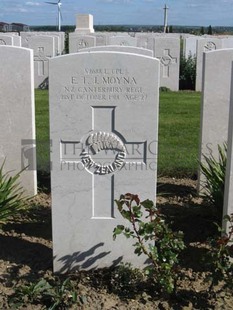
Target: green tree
202, 31
209, 30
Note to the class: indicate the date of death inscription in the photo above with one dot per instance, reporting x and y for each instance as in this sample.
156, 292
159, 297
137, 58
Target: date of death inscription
103, 85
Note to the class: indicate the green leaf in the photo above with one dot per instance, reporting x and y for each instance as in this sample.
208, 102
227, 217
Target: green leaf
117, 231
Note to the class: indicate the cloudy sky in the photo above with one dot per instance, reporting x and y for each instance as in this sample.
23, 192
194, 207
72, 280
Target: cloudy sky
150, 12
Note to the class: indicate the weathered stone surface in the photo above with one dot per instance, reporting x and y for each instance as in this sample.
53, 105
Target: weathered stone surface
104, 128
215, 101
17, 117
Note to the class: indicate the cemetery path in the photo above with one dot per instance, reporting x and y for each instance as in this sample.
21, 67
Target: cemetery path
26, 257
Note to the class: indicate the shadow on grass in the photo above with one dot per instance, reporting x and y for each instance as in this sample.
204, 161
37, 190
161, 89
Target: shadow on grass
171, 190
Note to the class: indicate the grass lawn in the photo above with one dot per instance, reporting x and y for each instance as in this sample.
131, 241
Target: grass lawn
42, 129
179, 124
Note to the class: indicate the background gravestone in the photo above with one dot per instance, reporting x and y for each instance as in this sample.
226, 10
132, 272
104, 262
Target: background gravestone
190, 46
227, 42
104, 128
204, 45
168, 51
101, 38
78, 42
145, 41
44, 48
60, 35
117, 48
17, 117
17, 40
122, 41
215, 101
6, 40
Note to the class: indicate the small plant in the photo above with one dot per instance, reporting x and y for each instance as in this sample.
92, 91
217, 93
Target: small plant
12, 196
126, 280
31, 292
52, 296
153, 238
214, 173
187, 72
220, 256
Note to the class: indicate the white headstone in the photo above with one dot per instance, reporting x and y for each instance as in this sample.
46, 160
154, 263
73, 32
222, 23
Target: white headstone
101, 38
122, 41
84, 24
78, 42
104, 128
61, 41
17, 117
228, 186
6, 40
190, 46
215, 102
227, 42
44, 48
204, 45
118, 48
168, 51
17, 41
145, 41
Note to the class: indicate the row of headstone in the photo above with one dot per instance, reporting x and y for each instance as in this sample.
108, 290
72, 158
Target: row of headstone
17, 117
99, 152
167, 50
195, 47
190, 43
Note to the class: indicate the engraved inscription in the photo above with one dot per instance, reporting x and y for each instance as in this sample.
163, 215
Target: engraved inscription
103, 84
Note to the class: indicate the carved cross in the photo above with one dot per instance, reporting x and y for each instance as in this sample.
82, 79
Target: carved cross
167, 60
40, 59
102, 152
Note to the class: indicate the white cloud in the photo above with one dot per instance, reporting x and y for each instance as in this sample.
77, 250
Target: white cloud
22, 10
116, 1
32, 3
